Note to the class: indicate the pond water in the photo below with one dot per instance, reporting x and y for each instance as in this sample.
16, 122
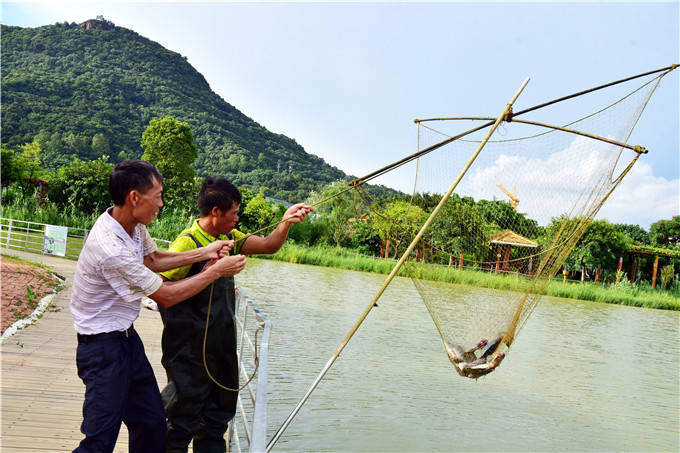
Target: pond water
581, 376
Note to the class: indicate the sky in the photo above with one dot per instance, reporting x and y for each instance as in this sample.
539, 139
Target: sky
346, 80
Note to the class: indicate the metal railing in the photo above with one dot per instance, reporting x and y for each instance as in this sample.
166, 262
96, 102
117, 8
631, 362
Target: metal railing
30, 237
254, 329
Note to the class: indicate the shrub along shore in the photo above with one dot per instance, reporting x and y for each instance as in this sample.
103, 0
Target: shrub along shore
623, 293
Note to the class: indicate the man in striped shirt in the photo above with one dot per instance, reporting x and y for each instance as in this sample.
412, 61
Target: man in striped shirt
115, 269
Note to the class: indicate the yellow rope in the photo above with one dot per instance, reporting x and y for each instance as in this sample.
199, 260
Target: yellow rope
205, 339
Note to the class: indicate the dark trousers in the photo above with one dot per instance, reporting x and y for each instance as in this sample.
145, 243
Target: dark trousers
120, 386
200, 410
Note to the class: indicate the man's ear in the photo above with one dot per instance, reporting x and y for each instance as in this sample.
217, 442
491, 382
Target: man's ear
215, 211
133, 197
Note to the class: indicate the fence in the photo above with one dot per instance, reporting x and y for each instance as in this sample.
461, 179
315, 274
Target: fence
42, 238
254, 331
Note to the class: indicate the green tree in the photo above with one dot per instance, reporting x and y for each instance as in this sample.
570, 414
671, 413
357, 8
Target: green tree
636, 233
399, 222
100, 145
259, 211
666, 233
501, 214
169, 145
28, 167
82, 186
599, 247
9, 172
335, 212
459, 228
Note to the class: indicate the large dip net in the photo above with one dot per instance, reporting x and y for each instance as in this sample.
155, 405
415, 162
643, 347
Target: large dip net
514, 217
498, 203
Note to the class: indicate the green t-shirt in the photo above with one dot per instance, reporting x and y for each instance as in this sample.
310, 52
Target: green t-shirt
184, 243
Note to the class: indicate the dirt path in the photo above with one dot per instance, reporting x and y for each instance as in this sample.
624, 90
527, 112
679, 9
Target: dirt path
23, 286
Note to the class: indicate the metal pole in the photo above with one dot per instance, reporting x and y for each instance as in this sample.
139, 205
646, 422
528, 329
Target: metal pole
392, 274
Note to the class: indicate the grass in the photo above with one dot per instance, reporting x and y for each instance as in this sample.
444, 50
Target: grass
623, 293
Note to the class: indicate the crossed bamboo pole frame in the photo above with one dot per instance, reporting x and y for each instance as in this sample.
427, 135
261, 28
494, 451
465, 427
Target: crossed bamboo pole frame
506, 115
390, 277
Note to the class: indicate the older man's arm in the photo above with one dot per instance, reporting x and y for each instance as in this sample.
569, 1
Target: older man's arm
160, 260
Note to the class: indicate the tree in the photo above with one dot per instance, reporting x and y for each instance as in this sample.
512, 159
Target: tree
635, 232
501, 214
28, 167
259, 211
335, 212
9, 172
666, 233
399, 222
169, 145
100, 145
599, 247
459, 228
82, 186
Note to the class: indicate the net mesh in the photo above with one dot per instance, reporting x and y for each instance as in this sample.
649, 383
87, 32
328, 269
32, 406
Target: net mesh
512, 220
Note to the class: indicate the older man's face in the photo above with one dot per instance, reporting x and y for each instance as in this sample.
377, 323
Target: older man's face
148, 203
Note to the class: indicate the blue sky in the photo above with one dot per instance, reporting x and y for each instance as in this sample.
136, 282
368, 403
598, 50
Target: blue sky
346, 80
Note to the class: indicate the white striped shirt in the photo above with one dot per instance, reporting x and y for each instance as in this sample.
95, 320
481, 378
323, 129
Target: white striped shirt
111, 277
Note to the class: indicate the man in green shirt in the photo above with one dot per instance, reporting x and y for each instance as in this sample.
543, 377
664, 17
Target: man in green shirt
196, 407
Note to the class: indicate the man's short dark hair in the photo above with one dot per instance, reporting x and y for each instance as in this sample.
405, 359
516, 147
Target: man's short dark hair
130, 175
217, 192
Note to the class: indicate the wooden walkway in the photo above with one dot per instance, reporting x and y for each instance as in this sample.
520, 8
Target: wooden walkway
42, 395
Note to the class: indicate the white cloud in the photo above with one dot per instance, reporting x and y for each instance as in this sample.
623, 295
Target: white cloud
551, 184
642, 198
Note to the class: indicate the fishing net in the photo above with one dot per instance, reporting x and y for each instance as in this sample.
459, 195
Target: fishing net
511, 242
456, 233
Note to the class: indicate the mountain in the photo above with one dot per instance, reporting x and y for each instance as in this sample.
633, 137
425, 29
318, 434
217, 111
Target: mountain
91, 89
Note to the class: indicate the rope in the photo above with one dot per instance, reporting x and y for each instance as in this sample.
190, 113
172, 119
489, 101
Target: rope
205, 339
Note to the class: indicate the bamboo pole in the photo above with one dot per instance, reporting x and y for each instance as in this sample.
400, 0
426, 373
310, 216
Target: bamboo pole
390, 277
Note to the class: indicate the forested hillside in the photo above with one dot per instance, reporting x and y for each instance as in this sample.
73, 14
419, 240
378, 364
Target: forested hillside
90, 89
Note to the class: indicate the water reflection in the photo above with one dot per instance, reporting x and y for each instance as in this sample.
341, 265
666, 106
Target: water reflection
581, 376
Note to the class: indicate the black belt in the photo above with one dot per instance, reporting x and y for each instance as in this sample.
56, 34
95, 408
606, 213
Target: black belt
106, 335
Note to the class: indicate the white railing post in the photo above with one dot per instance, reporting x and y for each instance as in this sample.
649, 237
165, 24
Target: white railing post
9, 233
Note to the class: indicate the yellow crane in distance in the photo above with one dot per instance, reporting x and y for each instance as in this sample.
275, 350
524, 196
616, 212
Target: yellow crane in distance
514, 201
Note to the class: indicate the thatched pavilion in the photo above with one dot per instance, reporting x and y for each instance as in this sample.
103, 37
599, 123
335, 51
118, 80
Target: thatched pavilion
502, 243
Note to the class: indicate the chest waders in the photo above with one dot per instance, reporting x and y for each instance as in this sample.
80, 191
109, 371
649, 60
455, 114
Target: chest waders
195, 406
